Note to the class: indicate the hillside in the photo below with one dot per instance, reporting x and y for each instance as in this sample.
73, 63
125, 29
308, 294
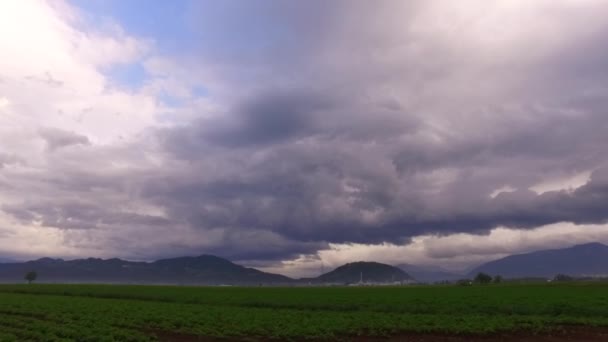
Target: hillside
428, 274
582, 260
368, 272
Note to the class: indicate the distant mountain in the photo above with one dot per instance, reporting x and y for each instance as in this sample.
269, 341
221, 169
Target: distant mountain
5, 260
428, 274
204, 269
582, 260
216, 268
368, 272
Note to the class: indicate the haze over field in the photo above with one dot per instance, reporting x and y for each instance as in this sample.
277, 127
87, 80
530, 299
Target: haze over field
296, 136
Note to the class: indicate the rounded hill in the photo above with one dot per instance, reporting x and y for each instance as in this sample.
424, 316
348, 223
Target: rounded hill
365, 272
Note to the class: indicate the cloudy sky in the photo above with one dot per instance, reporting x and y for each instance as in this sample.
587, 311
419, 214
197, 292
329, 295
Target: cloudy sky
297, 135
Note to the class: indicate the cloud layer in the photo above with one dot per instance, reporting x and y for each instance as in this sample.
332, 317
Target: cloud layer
319, 125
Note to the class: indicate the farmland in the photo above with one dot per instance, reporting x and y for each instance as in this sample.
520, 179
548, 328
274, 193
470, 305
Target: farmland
55, 312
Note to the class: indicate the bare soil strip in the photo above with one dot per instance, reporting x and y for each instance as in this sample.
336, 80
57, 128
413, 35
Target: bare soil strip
559, 334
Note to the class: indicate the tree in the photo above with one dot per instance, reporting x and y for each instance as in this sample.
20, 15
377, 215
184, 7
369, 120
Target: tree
30, 276
483, 278
497, 279
464, 282
563, 277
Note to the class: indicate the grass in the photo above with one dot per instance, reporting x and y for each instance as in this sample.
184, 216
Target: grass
128, 313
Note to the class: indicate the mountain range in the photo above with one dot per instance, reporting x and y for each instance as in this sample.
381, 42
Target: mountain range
204, 269
589, 259
201, 270
581, 260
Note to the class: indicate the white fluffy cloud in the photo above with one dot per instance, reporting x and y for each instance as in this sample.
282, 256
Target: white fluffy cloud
52, 76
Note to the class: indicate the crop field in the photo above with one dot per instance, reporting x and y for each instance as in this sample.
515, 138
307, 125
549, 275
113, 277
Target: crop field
58, 312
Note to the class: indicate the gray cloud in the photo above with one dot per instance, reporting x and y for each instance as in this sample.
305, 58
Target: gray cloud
47, 79
8, 159
57, 138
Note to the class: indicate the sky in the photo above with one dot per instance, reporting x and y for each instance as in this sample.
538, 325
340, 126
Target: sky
295, 136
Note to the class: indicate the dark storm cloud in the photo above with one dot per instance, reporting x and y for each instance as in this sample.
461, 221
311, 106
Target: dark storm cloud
325, 189
266, 119
325, 186
284, 116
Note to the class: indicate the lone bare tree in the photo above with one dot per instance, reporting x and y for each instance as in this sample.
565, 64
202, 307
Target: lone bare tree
30, 276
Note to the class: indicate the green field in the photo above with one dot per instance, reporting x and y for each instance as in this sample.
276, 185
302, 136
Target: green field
139, 313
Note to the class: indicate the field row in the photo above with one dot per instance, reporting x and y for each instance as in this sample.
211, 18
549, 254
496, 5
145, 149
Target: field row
577, 299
